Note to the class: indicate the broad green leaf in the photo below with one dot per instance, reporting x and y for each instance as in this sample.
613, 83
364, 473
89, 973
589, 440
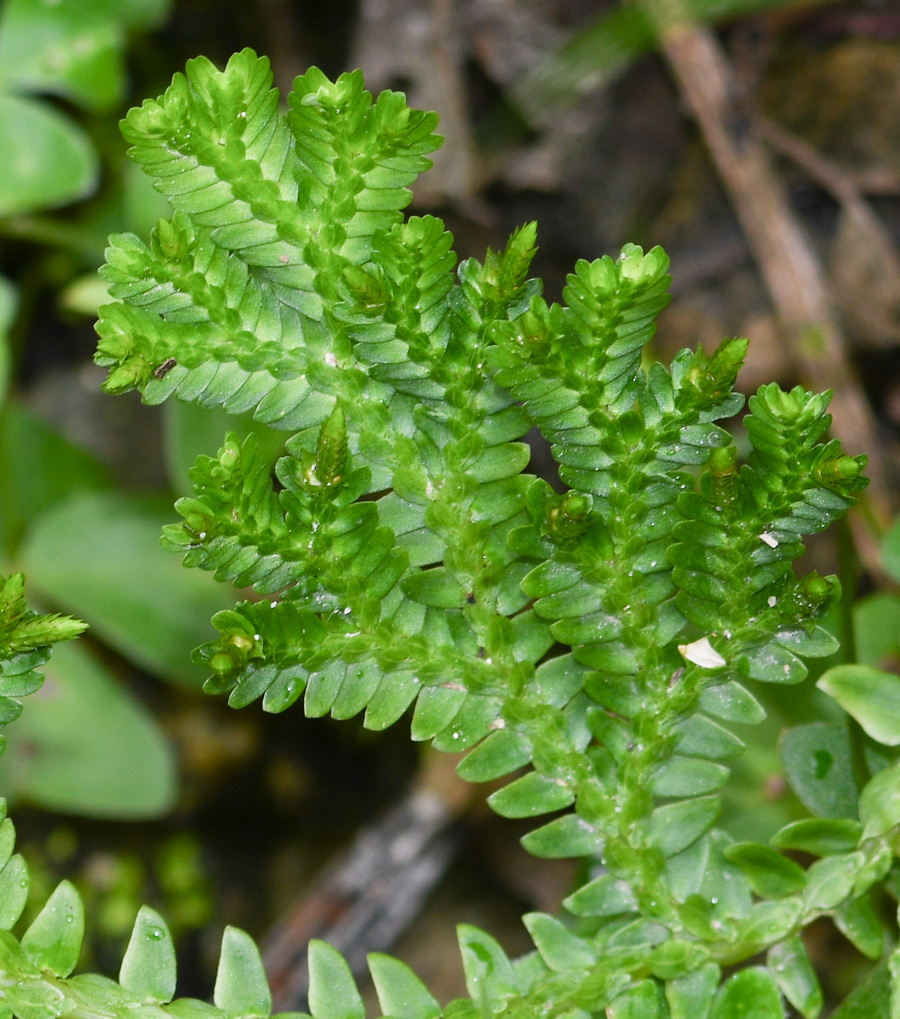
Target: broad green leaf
59, 758
332, 989
819, 836
559, 947
879, 803
673, 827
876, 628
101, 553
71, 47
871, 696
48, 159
53, 940
790, 966
771, 875
400, 992
749, 994
241, 984
38, 468
148, 966
818, 763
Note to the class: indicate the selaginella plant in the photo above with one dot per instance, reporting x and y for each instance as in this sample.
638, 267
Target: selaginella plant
595, 642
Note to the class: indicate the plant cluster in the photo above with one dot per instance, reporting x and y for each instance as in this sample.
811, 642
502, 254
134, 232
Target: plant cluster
594, 643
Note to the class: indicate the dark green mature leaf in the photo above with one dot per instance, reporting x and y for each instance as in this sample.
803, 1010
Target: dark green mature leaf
871, 696
38, 468
71, 48
876, 628
84, 554
54, 162
817, 760
130, 773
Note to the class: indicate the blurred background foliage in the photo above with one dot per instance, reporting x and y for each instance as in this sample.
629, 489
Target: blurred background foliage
560, 110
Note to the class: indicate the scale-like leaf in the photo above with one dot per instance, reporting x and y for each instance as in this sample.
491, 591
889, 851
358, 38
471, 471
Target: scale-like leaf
53, 940
241, 984
148, 966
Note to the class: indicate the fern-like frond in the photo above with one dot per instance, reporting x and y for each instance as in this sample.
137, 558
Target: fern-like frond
595, 644
25, 639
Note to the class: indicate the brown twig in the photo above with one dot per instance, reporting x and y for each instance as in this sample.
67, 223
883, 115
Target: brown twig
792, 273
368, 896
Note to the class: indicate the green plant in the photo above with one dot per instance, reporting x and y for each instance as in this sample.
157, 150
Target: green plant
589, 641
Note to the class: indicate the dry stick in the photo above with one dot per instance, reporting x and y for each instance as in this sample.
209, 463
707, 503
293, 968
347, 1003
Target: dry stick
882, 261
792, 273
371, 893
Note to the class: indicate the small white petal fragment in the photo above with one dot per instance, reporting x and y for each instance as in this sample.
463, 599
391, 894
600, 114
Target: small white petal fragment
702, 653
769, 540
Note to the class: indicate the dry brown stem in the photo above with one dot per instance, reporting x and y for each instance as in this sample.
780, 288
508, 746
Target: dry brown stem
790, 268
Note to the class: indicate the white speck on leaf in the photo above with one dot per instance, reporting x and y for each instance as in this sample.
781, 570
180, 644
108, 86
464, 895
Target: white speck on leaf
772, 600
702, 653
769, 540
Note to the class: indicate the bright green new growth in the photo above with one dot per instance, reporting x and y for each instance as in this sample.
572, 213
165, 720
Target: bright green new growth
597, 638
